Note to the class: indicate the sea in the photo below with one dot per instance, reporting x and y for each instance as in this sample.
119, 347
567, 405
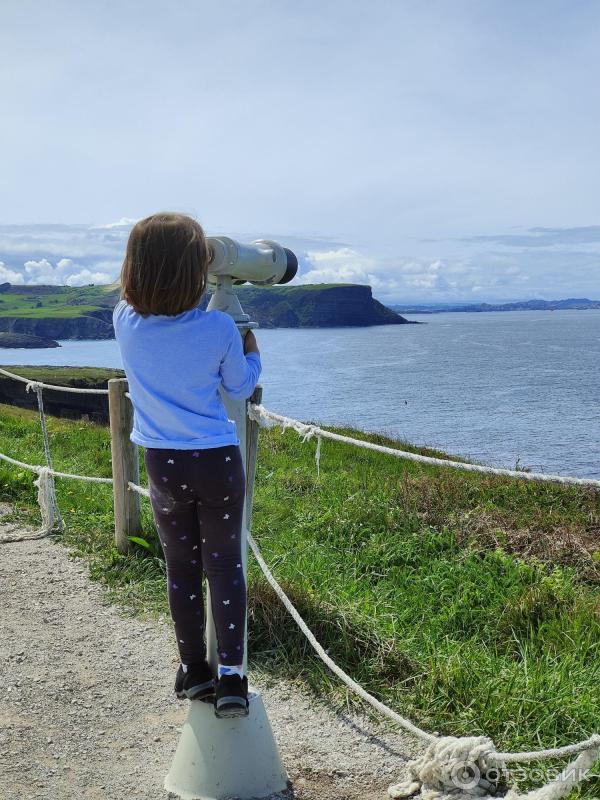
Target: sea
508, 389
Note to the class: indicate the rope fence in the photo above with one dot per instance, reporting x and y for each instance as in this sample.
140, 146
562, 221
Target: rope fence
54, 472
268, 419
38, 384
49, 510
434, 773
444, 754
53, 514
46, 498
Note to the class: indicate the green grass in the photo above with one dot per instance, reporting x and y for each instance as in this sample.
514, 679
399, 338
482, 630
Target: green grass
82, 377
469, 603
304, 287
66, 302
60, 312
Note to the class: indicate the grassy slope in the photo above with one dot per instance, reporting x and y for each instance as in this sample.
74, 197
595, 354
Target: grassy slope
57, 301
61, 312
411, 576
287, 289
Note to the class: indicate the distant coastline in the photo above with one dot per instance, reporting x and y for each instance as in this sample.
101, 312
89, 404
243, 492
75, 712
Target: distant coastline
85, 312
571, 303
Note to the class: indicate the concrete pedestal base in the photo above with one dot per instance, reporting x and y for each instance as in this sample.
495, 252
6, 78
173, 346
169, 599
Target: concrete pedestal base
226, 758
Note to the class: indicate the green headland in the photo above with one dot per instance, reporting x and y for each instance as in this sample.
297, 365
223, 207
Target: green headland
65, 312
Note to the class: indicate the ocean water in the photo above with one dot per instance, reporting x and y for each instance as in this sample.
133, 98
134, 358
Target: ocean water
501, 388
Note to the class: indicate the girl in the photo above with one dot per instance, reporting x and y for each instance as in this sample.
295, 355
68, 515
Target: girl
175, 357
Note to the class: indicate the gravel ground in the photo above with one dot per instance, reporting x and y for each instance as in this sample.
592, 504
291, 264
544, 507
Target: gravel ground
71, 728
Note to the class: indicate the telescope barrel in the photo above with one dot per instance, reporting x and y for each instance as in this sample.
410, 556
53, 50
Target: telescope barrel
262, 262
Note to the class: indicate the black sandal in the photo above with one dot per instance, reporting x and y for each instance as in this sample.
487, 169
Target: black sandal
231, 696
197, 683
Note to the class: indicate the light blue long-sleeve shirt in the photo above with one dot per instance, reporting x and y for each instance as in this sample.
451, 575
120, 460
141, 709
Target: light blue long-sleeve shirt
175, 366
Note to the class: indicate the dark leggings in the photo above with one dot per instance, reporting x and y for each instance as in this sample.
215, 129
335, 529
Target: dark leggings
197, 498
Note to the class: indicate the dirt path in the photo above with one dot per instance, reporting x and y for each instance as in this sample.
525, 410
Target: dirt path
87, 709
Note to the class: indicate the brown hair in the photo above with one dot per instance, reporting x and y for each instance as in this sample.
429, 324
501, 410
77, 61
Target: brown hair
165, 266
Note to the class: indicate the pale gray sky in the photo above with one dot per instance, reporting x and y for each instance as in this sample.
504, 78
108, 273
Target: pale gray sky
437, 150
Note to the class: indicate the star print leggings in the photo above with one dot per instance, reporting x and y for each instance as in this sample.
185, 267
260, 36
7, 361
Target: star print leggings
197, 498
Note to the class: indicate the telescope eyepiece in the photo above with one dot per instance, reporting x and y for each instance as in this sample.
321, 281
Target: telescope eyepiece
291, 267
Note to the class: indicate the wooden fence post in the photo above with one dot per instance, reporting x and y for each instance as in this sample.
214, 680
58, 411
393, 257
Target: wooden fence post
252, 429
125, 466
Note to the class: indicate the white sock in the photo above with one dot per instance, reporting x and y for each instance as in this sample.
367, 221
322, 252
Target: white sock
225, 669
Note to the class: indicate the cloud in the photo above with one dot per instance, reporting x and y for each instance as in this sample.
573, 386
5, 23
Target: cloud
10, 276
85, 277
390, 279
64, 272
124, 222
76, 255
483, 276
542, 237
483, 268
72, 255
342, 265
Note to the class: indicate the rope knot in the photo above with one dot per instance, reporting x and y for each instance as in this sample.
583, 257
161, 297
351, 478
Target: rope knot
34, 386
46, 497
459, 767
307, 432
258, 413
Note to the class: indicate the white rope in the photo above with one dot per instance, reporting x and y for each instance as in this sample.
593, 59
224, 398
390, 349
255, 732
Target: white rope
21, 464
47, 504
36, 384
446, 758
139, 489
438, 772
46, 497
85, 478
268, 418
50, 490
68, 475
330, 663
461, 768
388, 712
9, 538
318, 456
573, 774
51, 516
48, 509
47, 500
550, 753
533, 755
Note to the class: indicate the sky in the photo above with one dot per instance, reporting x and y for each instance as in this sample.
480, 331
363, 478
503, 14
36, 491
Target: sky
438, 151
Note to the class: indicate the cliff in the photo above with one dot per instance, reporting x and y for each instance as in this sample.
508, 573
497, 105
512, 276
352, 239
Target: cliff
25, 340
64, 312
95, 324
316, 306
61, 404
